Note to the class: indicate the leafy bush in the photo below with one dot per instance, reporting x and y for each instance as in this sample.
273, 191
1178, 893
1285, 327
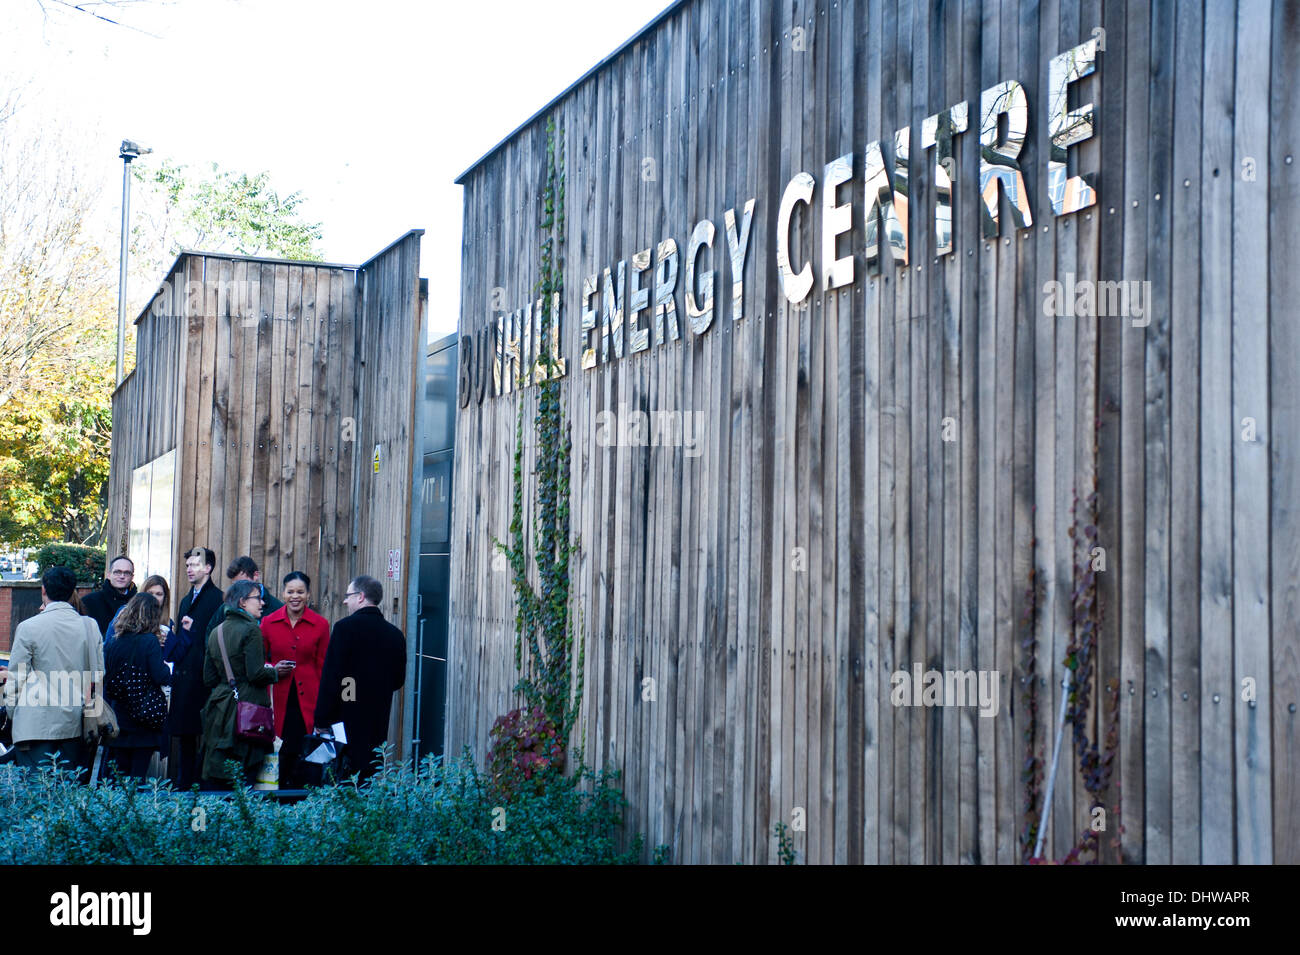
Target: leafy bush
86, 562
526, 746
442, 814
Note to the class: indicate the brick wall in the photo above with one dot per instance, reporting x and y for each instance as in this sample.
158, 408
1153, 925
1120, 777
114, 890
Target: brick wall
20, 599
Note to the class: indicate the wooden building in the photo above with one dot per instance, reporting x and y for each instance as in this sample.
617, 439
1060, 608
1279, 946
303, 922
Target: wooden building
888, 465
275, 411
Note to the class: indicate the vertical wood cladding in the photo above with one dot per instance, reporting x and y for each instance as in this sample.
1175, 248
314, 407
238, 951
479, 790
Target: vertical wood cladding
885, 471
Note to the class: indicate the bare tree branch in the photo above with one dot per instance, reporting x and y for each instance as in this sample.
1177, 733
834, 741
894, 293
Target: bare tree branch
85, 8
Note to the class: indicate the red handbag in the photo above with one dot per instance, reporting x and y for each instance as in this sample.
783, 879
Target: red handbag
252, 720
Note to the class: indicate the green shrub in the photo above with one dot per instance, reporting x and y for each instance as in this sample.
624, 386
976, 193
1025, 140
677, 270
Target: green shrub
86, 562
443, 814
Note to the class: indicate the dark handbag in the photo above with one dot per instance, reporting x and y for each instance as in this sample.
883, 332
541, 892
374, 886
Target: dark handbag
143, 699
252, 720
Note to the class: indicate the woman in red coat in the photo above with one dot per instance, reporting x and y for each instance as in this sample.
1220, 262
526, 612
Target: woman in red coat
298, 635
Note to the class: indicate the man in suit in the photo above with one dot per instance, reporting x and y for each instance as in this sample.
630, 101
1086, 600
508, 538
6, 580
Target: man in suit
55, 656
245, 568
185, 648
364, 666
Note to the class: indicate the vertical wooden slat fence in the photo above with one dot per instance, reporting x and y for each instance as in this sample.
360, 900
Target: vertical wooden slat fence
828, 533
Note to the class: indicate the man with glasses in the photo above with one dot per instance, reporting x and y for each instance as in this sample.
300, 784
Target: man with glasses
365, 665
118, 589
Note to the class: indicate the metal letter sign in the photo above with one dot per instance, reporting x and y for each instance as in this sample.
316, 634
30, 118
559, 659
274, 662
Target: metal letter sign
626, 312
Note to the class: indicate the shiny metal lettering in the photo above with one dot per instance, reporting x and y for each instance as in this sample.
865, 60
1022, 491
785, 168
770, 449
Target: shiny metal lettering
998, 163
612, 299
699, 315
665, 291
938, 131
499, 355
559, 366
796, 286
836, 220
1068, 128
588, 326
638, 300
738, 248
887, 201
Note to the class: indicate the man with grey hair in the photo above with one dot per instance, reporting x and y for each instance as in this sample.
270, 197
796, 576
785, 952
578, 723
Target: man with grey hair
364, 666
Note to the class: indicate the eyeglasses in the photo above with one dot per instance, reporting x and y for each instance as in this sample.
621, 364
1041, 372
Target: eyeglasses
351, 593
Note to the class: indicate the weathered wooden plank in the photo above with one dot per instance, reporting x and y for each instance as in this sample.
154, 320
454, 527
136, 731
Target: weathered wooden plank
204, 460
271, 277
1185, 414
230, 386
301, 300
987, 768
1284, 405
1088, 230
288, 300
966, 246
1110, 211
1132, 428
1252, 735
1157, 727
1070, 510
1218, 433
190, 438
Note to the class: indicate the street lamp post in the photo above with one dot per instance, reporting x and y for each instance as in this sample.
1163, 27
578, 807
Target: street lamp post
128, 151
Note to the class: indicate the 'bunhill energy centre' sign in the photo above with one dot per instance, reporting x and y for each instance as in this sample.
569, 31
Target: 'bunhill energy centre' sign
524, 346
912, 355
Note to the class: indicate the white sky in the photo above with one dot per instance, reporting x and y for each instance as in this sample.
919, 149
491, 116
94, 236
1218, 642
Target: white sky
369, 109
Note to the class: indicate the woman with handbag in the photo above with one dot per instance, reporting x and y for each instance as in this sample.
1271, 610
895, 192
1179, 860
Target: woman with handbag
237, 721
133, 682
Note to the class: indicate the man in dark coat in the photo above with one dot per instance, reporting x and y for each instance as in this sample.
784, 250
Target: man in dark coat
245, 568
118, 589
185, 648
364, 665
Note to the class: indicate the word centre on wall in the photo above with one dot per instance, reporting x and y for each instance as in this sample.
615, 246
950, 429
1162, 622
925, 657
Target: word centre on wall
629, 305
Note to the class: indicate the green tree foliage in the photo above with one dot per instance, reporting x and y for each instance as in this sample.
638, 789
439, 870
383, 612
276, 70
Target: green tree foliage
54, 442
219, 210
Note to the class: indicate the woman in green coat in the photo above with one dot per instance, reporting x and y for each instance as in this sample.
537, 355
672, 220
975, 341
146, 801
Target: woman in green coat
252, 674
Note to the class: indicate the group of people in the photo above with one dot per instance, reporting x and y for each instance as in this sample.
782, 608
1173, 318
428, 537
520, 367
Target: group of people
175, 686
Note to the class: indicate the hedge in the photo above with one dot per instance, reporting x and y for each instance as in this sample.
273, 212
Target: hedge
86, 562
442, 814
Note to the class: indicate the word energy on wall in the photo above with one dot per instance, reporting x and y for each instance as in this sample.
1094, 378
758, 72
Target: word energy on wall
628, 306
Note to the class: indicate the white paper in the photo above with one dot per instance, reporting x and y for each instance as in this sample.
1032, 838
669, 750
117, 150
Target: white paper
340, 733
322, 754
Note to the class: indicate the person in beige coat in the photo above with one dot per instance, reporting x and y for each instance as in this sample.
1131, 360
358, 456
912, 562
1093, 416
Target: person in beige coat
52, 666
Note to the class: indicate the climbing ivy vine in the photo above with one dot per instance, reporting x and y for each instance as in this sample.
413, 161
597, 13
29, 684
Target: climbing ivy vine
548, 675
1095, 762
